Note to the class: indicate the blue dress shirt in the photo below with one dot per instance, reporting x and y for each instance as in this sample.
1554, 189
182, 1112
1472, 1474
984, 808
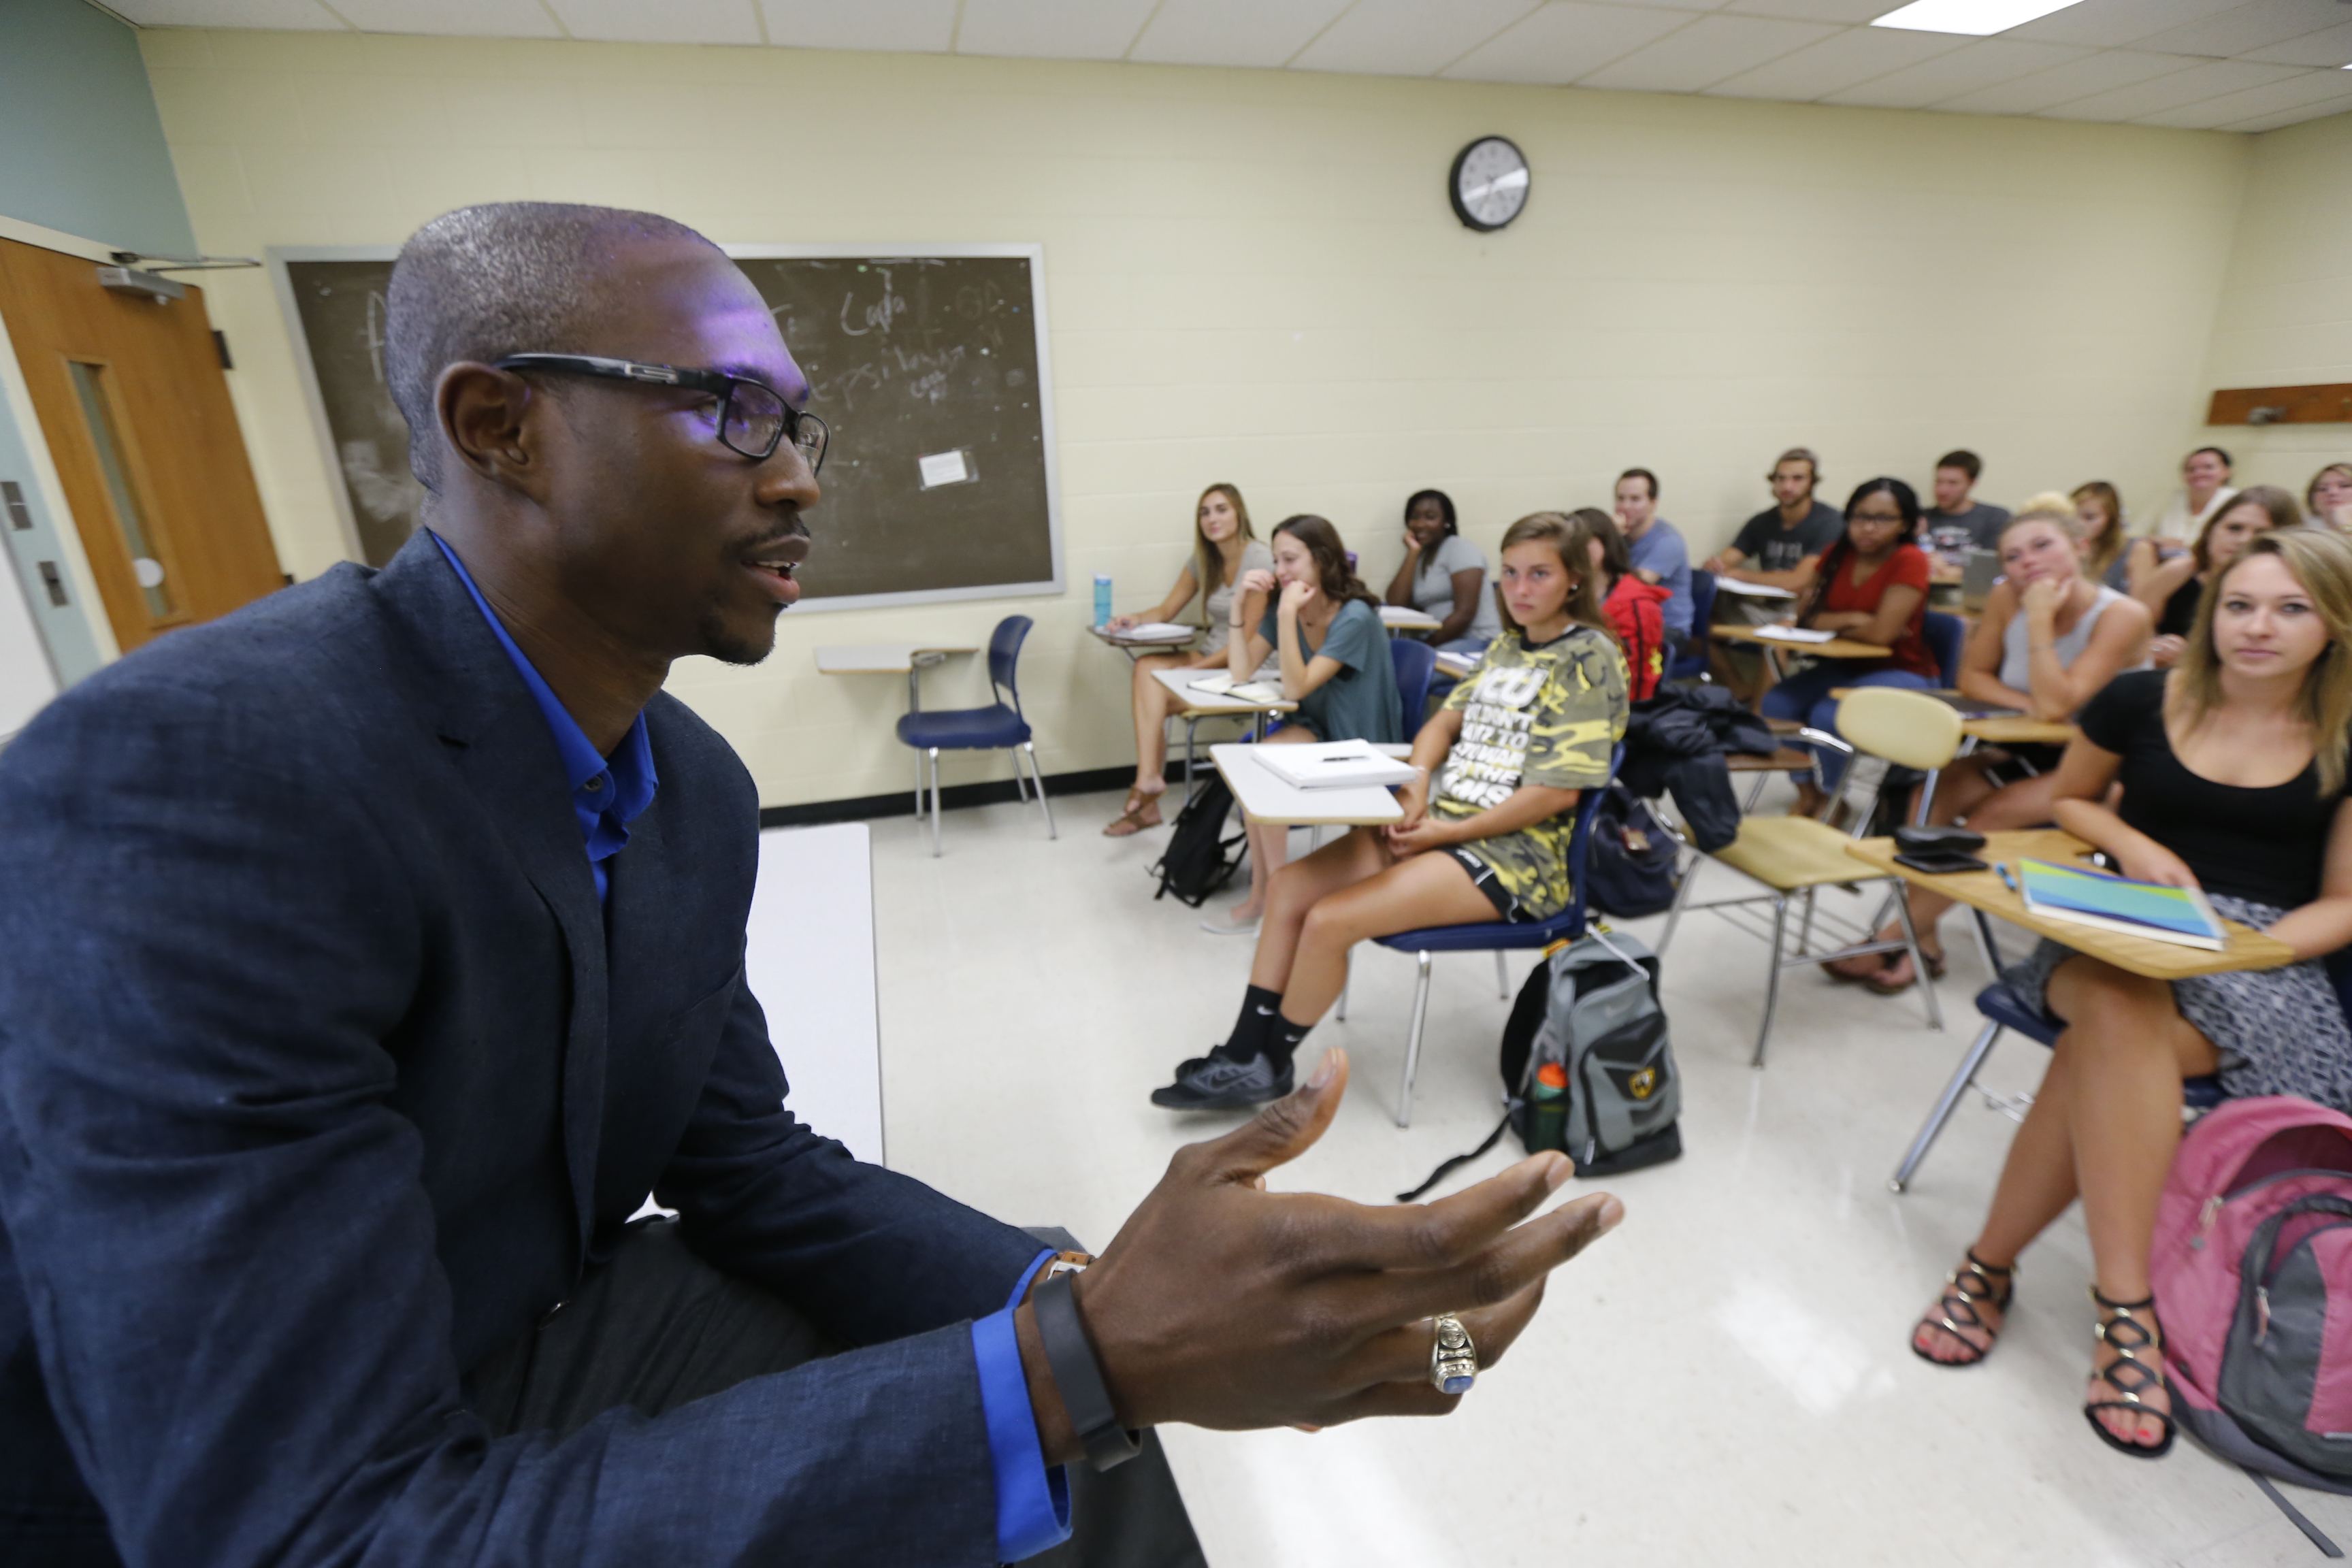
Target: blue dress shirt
607, 793
1032, 1504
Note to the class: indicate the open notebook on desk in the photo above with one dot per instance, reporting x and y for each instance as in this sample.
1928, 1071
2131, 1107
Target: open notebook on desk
1222, 684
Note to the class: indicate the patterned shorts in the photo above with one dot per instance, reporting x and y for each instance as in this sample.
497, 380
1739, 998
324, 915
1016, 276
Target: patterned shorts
2279, 1031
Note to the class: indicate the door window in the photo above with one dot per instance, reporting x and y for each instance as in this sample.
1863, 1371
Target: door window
98, 414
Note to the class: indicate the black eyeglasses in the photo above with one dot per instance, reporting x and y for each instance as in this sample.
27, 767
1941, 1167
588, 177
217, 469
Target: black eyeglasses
753, 417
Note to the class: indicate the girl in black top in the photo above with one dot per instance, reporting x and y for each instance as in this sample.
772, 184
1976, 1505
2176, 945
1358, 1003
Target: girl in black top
2232, 769
2170, 590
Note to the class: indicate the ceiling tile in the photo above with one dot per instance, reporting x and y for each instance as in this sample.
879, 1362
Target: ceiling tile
1566, 40
922, 26
451, 18
1981, 63
1846, 58
2254, 26
1233, 32
288, 14
2316, 87
2178, 90
1408, 38
2113, 22
1854, 12
1706, 52
2328, 47
1051, 29
2037, 91
671, 22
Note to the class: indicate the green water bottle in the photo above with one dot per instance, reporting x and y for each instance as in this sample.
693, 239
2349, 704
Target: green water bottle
1546, 1123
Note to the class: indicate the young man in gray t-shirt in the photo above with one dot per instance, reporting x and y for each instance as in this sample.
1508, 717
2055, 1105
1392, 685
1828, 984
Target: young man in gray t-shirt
1659, 555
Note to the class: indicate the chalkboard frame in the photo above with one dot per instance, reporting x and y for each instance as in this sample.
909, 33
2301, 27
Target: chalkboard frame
282, 278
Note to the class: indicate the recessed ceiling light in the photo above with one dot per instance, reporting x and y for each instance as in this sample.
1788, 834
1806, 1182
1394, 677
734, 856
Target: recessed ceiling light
1976, 18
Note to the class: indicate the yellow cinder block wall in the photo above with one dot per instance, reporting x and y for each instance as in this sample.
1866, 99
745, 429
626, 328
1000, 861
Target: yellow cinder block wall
2286, 315
1254, 276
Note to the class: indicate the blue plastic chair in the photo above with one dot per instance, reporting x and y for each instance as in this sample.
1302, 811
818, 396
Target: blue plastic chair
1692, 664
1946, 638
2005, 1009
998, 726
1415, 663
1497, 937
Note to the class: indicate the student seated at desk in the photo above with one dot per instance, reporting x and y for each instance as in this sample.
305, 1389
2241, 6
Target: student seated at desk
2106, 547
2170, 589
1634, 605
1443, 574
1224, 550
2049, 640
1517, 741
2232, 768
2328, 498
1872, 588
1322, 628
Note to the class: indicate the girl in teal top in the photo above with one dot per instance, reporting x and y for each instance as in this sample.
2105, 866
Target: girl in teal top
1325, 627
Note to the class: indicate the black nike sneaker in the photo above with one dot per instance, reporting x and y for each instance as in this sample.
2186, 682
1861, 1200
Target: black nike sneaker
1211, 1083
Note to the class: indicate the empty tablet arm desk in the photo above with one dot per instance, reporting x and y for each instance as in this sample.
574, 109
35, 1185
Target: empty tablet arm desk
907, 658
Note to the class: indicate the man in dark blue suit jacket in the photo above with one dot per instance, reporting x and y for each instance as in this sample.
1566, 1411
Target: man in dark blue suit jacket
370, 955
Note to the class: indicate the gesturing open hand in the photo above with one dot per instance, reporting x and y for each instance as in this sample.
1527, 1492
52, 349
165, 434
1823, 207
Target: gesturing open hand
1224, 1305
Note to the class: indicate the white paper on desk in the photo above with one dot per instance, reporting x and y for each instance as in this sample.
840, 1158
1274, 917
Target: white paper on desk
1221, 685
1753, 589
1335, 765
1794, 633
1459, 663
1404, 615
1159, 631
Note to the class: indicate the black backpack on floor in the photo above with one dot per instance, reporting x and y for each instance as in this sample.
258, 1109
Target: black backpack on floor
1199, 860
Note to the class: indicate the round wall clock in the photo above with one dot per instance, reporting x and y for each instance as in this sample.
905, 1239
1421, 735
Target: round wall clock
1489, 183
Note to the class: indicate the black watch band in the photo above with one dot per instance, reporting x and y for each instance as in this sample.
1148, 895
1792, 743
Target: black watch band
1078, 1377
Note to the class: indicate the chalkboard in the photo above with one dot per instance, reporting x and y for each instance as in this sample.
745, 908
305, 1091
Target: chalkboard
931, 369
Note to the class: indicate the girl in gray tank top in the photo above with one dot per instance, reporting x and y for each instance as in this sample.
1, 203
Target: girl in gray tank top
2016, 658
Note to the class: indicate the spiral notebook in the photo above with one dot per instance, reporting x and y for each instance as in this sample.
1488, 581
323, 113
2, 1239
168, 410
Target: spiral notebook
2118, 904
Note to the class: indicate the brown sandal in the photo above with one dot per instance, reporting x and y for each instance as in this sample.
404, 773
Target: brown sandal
1955, 1311
1142, 811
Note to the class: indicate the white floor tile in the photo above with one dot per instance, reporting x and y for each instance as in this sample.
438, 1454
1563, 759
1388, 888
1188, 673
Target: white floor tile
1726, 1380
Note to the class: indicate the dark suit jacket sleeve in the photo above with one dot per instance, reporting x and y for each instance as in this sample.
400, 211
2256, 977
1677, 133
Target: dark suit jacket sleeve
867, 1254
223, 1238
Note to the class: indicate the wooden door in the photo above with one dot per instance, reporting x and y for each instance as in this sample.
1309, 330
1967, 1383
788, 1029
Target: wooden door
137, 414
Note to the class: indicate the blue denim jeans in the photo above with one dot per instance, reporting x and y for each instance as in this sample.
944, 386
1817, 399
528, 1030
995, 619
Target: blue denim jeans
1805, 697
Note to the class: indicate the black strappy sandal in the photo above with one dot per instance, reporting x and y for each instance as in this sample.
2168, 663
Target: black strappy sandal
1957, 1311
2138, 1376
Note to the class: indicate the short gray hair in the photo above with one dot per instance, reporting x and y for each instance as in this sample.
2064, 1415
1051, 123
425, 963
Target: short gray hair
502, 279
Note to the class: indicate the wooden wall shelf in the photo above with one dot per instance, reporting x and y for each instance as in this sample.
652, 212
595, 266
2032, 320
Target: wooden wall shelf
2295, 404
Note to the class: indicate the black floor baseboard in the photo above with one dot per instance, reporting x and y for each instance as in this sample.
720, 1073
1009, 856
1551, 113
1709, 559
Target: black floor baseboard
954, 797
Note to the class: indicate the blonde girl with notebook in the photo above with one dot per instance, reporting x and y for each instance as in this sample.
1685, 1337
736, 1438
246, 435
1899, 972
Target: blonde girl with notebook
2233, 768
1224, 550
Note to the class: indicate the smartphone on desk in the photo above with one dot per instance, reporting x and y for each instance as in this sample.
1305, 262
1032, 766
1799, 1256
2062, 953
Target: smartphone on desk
1941, 862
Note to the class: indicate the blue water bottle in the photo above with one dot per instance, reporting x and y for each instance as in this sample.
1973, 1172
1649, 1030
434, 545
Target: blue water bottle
1102, 598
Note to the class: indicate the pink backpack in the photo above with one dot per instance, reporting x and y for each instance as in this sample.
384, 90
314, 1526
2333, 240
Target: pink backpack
2252, 1271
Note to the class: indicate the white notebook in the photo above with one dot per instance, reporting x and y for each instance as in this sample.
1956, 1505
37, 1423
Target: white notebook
1334, 765
1394, 615
1753, 589
1159, 631
1795, 634
1221, 685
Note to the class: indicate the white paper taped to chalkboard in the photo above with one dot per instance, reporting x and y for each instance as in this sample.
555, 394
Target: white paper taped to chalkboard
947, 469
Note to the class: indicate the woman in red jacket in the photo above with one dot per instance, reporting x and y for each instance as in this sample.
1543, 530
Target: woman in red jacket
1633, 607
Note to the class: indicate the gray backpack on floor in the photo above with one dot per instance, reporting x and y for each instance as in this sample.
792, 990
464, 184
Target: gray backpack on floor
1591, 1010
